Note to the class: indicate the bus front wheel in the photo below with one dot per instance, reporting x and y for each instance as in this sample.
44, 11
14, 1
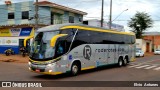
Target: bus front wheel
75, 69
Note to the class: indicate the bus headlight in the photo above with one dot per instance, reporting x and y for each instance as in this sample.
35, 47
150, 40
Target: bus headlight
49, 65
29, 63
50, 71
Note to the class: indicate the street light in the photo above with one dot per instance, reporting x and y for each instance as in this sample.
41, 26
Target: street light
119, 15
110, 19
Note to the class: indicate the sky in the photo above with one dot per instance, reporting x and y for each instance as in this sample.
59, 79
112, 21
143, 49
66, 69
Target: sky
122, 10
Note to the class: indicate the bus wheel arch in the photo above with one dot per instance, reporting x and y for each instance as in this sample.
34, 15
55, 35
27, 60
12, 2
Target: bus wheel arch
120, 61
75, 67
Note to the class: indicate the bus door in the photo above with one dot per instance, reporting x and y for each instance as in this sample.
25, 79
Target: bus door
111, 54
100, 55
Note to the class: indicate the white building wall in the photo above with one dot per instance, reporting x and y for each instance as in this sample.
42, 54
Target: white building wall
10, 40
140, 43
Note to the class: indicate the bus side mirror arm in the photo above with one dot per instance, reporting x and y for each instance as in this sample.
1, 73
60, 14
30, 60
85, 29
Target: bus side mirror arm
54, 39
25, 40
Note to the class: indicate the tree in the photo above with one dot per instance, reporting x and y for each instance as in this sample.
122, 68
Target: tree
139, 23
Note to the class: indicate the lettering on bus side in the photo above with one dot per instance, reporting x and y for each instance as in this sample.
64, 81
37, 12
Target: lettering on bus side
87, 51
110, 50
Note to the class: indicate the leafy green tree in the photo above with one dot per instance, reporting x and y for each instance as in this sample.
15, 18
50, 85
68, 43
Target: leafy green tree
139, 23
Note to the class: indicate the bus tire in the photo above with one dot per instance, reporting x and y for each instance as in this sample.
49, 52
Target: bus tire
120, 61
75, 69
125, 61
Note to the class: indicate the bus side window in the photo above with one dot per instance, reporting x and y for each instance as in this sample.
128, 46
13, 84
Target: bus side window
133, 39
63, 43
68, 39
82, 37
68, 31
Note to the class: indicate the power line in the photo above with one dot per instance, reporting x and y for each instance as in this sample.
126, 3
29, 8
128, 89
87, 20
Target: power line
84, 2
129, 20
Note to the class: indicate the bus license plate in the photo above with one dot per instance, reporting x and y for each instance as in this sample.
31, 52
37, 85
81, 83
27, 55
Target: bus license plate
37, 70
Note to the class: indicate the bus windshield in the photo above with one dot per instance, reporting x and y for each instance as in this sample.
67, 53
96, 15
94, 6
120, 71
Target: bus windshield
40, 48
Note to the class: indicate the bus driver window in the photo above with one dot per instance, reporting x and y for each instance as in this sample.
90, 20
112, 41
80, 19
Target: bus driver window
60, 49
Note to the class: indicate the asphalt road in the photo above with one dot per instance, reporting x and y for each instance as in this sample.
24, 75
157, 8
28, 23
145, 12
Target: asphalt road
143, 69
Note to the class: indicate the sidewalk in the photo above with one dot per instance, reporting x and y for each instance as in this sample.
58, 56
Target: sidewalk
14, 58
149, 54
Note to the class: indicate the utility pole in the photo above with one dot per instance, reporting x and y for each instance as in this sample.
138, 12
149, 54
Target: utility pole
36, 15
110, 17
102, 14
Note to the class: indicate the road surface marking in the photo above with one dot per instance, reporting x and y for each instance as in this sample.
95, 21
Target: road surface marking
150, 67
157, 68
142, 66
149, 61
134, 66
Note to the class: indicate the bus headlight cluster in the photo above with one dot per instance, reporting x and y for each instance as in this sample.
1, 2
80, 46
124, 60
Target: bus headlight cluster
49, 65
29, 63
50, 70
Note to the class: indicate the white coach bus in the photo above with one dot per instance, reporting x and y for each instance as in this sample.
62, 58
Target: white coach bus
58, 49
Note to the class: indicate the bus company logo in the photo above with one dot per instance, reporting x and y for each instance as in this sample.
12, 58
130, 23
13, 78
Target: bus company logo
8, 41
25, 31
14, 30
87, 52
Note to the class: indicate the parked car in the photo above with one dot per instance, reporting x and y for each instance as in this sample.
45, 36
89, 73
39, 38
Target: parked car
157, 51
139, 53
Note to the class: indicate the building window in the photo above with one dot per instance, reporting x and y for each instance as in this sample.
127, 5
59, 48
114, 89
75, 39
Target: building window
80, 19
25, 15
11, 15
52, 18
57, 18
71, 19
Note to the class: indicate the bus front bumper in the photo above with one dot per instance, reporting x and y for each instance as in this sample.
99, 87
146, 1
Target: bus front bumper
49, 69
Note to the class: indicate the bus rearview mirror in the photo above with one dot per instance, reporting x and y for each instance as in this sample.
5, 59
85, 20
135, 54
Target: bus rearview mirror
54, 39
25, 40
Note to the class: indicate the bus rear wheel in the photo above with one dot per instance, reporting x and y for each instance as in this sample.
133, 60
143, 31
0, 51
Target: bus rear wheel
125, 61
75, 69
